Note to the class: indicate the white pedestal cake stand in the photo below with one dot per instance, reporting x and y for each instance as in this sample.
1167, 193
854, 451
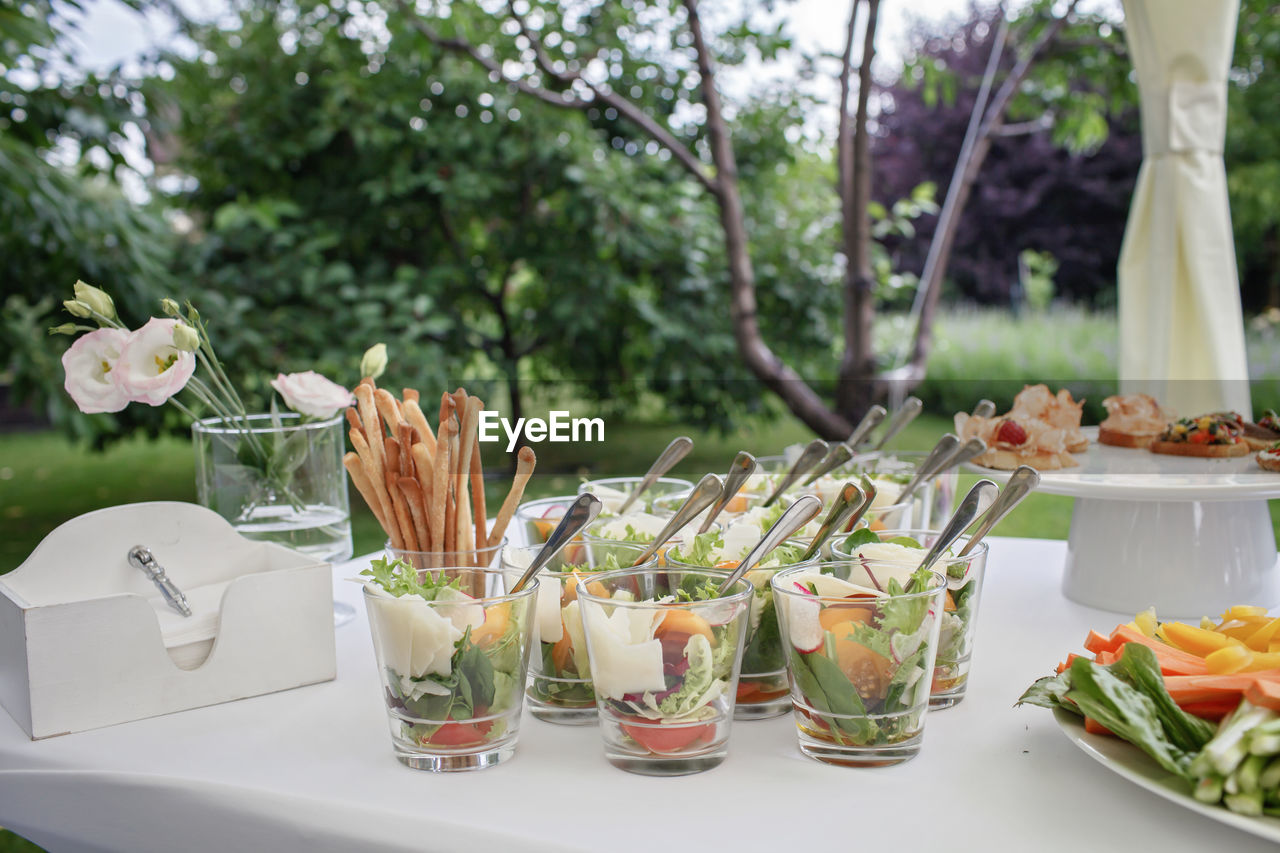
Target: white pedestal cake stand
1190, 536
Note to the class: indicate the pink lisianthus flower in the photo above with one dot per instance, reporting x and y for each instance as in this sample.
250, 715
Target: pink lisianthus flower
90, 364
311, 394
151, 368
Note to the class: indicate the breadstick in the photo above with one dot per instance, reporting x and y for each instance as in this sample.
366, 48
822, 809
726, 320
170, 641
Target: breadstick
416, 419
439, 488
410, 394
391, 447
407, 438
376, 479
469, 413
524, 470
373, 431
412, 492
422, 465
401, 506
477, 490
360, 479
354, 419
388, 408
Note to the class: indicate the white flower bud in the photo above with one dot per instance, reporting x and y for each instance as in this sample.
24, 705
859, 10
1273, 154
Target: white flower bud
374, 361
185, 338
170, 308
76, 308
96, 299
64, 329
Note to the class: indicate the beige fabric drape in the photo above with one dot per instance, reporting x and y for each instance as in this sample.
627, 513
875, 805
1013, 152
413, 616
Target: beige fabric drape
1181, 329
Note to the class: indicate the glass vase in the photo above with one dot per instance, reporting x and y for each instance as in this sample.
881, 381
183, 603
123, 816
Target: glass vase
278, 480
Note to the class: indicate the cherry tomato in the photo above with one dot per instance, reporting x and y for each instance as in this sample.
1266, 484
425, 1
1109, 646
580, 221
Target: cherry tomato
668, 739
461, 734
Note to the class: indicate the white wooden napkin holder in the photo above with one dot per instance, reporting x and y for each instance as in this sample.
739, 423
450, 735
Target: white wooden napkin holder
80, 637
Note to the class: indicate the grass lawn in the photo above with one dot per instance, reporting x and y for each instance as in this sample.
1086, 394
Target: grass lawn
45, 480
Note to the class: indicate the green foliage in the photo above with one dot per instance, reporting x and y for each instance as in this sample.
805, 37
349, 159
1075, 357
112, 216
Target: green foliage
63, 215
1253, 150
1037, 269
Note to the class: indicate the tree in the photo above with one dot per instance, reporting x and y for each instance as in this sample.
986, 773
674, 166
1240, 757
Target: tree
1068, 196
343, 192
644, 61
1252, 151
63, 214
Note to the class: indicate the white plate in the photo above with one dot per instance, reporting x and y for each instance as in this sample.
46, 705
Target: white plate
1135, 765
1136, 474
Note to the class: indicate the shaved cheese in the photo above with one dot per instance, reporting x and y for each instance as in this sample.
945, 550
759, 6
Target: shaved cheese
624, 660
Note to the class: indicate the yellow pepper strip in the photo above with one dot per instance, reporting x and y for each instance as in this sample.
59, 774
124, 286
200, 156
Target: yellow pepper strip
1238, 629
1228, 659
1245, 613
1195, 640
1260, 640
1263, 660
1146, 622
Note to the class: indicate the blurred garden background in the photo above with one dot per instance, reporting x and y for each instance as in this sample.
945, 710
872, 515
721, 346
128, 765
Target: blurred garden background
529, 198
481, 187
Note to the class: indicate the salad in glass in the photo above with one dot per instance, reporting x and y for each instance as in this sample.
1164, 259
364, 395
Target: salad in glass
538, 518
664, 653
861, 639
762, 684
452, 665
559, 688
613, 491
960, 608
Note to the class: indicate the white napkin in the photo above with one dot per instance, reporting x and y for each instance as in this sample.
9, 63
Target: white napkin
188, 639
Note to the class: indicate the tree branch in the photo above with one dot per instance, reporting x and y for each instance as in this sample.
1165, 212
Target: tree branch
972, 154
776, 375
654, 129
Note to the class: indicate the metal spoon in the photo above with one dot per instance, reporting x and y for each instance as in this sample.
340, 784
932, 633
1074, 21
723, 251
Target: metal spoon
796, 516
704, 494
809, 457
869, 421
678, 449
984, 409
971, 449
581, 512
980, 496
840, 454
925, 470
1022, 482
849, 500
907, 412
744, 465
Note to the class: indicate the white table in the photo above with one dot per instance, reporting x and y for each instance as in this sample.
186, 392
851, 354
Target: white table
311, 770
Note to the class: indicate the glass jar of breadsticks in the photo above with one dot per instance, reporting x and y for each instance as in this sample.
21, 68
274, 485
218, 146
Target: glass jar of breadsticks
426, 486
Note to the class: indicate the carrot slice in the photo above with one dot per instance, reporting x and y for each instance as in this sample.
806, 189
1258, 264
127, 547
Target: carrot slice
1265, 693
1173, 661
1094, 727
1097, 643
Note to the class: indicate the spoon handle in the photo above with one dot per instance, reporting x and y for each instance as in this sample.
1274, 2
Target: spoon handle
704, 494
796, 516
678, 449
582, 512
810, 456
982, 493
984, 409
1022, 482
971, 449
744, 465
944, 448
869, 421
840, 454
847, 501
907, 412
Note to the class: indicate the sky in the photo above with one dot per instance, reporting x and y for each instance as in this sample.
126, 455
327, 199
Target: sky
111, 33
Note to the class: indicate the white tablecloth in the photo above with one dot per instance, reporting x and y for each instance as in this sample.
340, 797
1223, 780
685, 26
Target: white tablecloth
312, 770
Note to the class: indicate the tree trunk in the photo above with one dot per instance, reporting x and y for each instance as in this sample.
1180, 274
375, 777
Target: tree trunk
855, 388
969, 163
772, 371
